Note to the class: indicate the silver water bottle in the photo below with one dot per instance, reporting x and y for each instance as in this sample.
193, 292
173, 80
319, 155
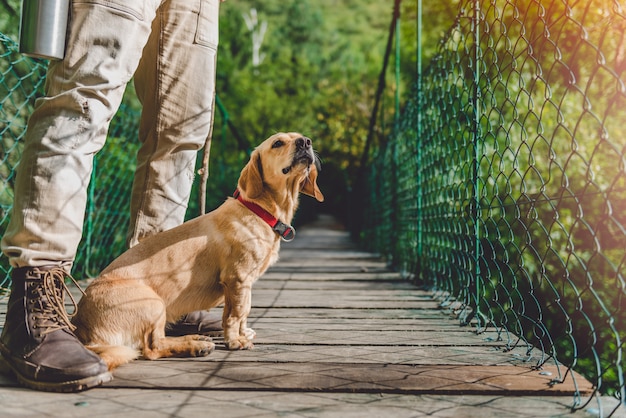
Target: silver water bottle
43, 27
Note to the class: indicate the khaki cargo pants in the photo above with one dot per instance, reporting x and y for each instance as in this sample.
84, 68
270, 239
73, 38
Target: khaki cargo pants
169, 47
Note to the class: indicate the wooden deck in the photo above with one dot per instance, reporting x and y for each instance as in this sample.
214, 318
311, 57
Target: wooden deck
338, 335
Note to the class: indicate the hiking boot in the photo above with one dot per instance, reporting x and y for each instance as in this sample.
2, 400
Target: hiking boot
197, 322
37, 342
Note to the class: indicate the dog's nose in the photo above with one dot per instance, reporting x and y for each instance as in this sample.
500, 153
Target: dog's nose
303, 142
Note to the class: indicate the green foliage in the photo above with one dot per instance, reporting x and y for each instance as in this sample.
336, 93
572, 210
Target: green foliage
10, 18
321, 60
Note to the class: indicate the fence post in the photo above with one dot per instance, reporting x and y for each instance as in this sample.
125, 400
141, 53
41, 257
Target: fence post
396, 119
475, 212
394, 245
418, 148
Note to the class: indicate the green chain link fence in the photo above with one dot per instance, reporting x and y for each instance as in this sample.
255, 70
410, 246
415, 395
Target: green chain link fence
107, 218
20, 80
504, 186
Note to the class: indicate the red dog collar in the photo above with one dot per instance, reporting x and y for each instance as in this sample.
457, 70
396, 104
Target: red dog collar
286, 232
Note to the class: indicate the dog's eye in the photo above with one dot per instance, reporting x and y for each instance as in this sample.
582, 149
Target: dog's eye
278, 144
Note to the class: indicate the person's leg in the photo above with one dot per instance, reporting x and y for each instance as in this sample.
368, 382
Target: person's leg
175, 82
68, 126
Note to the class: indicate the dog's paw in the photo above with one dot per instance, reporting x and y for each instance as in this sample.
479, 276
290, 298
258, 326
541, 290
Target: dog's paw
203, 349
240, 343
201, 345
249, 333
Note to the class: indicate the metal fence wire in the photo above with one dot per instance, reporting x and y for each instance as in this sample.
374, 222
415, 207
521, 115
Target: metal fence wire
504, 186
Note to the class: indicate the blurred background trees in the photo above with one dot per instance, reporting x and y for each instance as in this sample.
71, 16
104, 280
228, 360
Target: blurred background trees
313, 69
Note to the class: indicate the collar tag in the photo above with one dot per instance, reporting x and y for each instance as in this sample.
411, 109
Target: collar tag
286, 232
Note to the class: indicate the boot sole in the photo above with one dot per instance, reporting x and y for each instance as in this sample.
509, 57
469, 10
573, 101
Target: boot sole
62, 387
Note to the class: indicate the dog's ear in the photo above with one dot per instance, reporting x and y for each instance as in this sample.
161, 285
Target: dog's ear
309, 185
251, 178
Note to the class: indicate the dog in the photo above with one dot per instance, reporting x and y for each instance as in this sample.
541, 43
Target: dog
207, 261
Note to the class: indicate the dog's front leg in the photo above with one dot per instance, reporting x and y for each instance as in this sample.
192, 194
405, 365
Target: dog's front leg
237, 303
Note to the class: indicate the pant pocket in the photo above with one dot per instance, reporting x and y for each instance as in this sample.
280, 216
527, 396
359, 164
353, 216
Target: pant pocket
207, 31
134, 8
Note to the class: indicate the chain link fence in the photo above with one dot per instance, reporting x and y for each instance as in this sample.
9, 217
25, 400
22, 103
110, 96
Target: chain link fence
504, 185
20, 80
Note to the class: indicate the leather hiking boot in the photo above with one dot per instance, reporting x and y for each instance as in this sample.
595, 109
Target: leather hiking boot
37, 342
196, 322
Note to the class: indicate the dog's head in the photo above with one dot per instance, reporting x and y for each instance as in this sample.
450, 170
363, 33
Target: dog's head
283, 163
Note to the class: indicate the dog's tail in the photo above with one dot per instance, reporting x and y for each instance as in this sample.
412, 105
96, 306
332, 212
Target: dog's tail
114, 355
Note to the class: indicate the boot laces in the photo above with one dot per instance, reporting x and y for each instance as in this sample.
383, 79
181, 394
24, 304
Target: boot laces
49, 311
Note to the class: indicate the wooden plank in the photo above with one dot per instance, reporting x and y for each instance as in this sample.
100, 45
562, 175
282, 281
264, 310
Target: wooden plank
381, 378
319, 301
315, 256
351, 313
377, 334
343, 324
356, 295
142, 402
308, 336
339, 300
343, 285
328, 267
349, 278
392, 354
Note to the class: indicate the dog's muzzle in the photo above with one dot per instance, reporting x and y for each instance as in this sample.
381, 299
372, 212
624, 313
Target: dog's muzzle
304, 154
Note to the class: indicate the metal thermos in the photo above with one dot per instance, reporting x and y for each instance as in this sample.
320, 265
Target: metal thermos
43, 27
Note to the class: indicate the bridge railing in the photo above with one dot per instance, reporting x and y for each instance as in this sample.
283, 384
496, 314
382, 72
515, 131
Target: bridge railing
504, 184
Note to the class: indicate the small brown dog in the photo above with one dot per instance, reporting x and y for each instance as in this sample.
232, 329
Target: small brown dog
200, 264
